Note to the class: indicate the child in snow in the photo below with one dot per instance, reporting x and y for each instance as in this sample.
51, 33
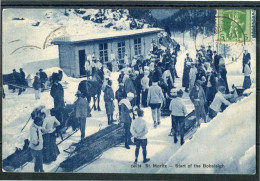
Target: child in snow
178, 112
139, 130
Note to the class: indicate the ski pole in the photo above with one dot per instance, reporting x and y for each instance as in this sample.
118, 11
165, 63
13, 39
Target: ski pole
26, 123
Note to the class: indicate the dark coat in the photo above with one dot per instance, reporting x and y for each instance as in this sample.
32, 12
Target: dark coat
36, 83
109, 98
120, 78
120, 94
186, 71
129, 86
200, 73
246, 59
57, 93
216, 62
124, 114
43, 77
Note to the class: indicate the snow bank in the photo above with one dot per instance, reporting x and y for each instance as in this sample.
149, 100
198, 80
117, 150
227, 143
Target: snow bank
227, 141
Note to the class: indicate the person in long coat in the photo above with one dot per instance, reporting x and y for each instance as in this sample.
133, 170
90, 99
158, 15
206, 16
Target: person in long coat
186, 71
126, 115
211, 87
145, 87
82, 111
192, 76
129, 87
223, 73
37, 86
247, 80
198, 98
57, 92
50, 148
246, 59
109, 104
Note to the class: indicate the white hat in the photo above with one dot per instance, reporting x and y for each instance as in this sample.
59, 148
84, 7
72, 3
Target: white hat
136, 72
130, 95
146, 68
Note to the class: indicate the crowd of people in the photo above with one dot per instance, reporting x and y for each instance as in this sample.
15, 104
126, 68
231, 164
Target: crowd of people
143, 82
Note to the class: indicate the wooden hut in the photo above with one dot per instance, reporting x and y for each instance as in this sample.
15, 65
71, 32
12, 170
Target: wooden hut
74, 50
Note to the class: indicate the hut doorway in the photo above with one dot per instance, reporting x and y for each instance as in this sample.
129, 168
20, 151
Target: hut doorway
82, 59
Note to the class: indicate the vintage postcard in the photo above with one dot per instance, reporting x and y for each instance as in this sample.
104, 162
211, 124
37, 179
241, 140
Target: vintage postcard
160, 91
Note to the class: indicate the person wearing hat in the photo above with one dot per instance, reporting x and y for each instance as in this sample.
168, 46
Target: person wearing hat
155, 99
43, 78
198, 98
192, 75
216, 61
203, 50
210, 86
246, 59
178, 113
201, 71
247, 80
82, 111
23, 81
37, 85
126, 115
186, 71
223, 74
109, 104
167, 79
216, 104
209, 54
139, 130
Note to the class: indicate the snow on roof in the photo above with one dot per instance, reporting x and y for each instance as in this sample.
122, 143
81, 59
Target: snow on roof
108, 35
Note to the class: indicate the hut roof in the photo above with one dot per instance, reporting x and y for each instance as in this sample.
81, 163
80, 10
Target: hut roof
103, 36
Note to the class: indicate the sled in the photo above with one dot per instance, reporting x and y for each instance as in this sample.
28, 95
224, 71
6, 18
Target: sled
91, 147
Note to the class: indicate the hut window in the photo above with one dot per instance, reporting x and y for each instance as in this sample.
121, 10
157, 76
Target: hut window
121, 51
137, 43
103, 55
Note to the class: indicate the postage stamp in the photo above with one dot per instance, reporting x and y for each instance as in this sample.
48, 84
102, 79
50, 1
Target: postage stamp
234, 25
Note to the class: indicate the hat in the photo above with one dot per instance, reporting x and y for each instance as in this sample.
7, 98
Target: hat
21, 68
130, 95
187, 54
40, 69
209, 46
136, 72
202, 46
179, 92
14, 70
173, 92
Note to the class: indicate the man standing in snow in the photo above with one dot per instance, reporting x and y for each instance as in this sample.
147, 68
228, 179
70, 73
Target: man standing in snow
155, 99
57, 93
82, 111
43, 78
37, 86
246, 59
198, 98
126, 115
139, 130
178, 112
186, 71
109, 104
219, 99
192, 76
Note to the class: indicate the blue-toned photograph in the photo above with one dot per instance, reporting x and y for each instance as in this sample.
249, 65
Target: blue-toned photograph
158, 91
